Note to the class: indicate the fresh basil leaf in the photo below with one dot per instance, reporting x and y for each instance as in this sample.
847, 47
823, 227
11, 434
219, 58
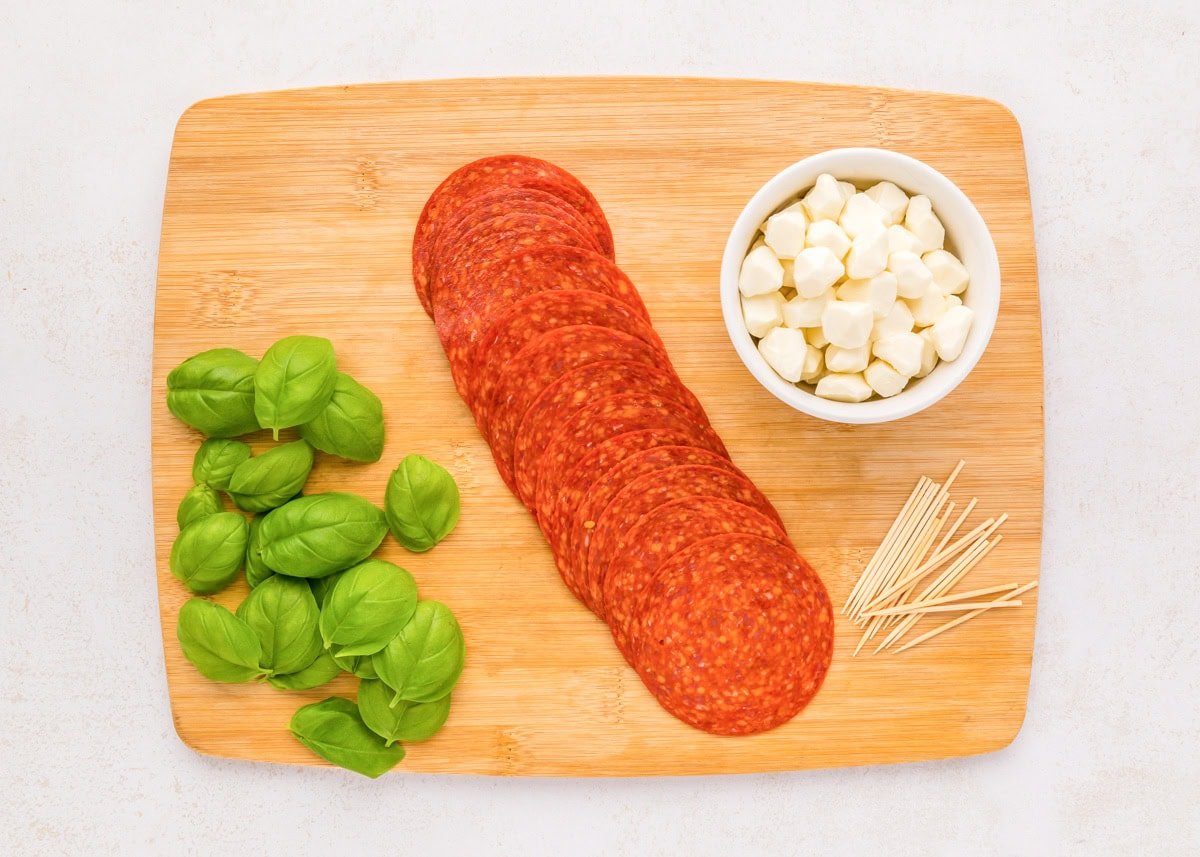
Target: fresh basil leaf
271, 479
423, 661
215, 461
294, 382
421, 503
334, 730
213, 392
199, 502
256, 569
351, 425
220, 645
322, 586
209, 551
359, 665
405, 721
369, 605
321, 671
321, 533
283, 613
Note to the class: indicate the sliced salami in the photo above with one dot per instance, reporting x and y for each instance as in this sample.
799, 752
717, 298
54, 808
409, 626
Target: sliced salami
651, 525
501, 202
605, 538
556, 503
541, 431
487, 244
737, 635
486, 318
614, 417
536, 314
582, 526
658, 536
486, 174
537, 366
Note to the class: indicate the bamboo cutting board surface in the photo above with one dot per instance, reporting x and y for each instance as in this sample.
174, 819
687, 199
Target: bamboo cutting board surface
293, 212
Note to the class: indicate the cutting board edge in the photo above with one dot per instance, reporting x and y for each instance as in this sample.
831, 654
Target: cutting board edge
532, 80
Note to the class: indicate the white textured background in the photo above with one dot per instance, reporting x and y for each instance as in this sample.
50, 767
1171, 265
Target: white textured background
1108, 96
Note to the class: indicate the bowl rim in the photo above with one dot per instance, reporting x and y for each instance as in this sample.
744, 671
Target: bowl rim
787, 183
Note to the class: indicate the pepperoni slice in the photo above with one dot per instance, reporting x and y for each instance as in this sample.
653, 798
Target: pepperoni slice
500, 202
737, 636
539, 434
485, 245
587, 524
486, 174
490, 328
532, 316
556, 503
658, 536
537, 366
612, 417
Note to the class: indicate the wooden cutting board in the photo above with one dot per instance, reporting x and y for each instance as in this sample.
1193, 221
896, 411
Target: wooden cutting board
293, 212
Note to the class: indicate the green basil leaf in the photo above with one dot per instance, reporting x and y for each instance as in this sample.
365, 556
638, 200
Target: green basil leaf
369, 605
215, 461
322, 586
359, 665
209, 551
271, 479
321, 533
351, 425
421, 503
213, 392
283, 613
321, 671
294, 382
334, 730
256, 569
405, 721
423, 661
199, 502
220, 645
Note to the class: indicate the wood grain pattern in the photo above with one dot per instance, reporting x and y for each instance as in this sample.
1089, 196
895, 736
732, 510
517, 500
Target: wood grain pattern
293, 212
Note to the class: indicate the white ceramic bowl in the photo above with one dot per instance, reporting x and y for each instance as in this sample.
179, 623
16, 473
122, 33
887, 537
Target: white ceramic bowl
967, 237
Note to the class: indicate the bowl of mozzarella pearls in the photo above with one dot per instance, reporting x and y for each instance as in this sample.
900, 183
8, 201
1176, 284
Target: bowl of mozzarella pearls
860, 285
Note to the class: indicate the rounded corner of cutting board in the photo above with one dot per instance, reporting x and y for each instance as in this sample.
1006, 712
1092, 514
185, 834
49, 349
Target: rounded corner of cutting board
323, 249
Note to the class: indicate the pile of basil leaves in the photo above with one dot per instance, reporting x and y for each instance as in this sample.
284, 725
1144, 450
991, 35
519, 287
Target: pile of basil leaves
318, 604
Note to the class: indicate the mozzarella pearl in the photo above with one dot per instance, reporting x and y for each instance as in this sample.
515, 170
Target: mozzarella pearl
761, 273
950, 332
815, 270
847, 324
912, 277
826, 233
891, 199
902, 351
861, 214
825, 200
840, 387
806, 312
900, 238
762, 312
847, 359
879, 291
884, 379
923, 223
868, 254
949, 274
784, 232
785, 351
